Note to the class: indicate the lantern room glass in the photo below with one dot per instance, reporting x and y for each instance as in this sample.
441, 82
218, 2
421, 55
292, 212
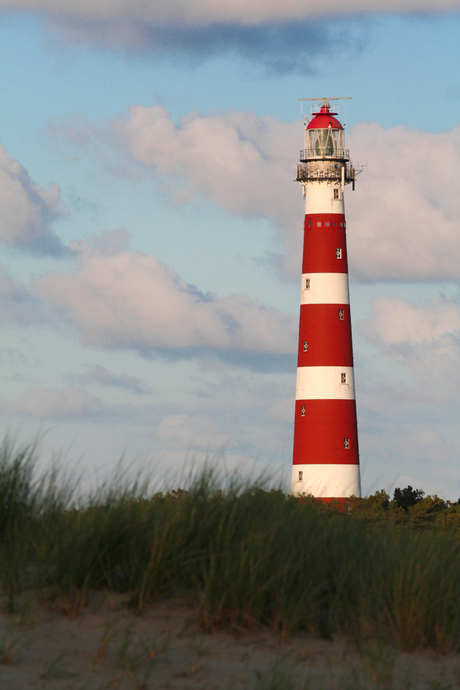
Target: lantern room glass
325, 142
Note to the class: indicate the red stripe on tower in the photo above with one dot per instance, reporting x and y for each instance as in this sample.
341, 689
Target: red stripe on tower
326, 458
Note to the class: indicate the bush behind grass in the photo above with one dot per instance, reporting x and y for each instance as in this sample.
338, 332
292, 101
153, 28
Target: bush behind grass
245, 554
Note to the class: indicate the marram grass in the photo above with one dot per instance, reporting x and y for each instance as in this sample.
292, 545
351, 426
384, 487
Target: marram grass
244, 554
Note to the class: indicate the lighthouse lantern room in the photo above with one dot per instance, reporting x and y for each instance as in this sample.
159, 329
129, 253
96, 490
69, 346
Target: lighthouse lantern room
326, 458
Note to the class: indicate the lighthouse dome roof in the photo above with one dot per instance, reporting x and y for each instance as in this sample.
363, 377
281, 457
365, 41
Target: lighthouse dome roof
323, 119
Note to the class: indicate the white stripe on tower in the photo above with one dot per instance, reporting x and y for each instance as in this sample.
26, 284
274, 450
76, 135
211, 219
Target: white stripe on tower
325, 383
326, 459
324, 288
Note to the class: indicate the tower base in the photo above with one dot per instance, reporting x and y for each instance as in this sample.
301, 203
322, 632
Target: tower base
326, 480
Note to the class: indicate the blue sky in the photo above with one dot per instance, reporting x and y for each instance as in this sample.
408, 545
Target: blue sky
151, 230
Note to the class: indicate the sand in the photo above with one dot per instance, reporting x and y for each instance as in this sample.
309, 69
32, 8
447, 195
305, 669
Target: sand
108, 646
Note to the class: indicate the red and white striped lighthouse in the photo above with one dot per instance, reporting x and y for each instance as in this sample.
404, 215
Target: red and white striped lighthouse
326, 459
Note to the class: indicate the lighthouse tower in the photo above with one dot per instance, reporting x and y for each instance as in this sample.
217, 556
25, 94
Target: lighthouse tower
326, 459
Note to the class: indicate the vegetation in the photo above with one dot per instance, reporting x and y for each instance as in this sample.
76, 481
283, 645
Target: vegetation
245, 554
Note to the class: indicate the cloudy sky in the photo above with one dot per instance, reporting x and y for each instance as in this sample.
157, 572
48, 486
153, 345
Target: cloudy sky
150, 228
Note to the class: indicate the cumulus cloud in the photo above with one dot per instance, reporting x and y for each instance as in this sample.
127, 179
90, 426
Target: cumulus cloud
405, 209
235, 159
28, 210
178, 431
98, 374
425, 338
131, 300
403, 217
408, 402
54, 403
205, 12
17, 305
239, 161
280, 47
284, 36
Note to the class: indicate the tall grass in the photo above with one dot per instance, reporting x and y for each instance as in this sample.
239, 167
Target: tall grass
245, 555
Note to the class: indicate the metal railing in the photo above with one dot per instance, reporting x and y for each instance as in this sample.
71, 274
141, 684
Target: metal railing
308, 154
305, 173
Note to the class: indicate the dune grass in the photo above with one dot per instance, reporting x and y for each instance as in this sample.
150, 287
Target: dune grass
243, 554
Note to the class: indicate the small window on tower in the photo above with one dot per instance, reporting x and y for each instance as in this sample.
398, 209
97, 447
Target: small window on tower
335, 225
346, 443
300, 476
318, 224
341, 225
327, 223
343, 377
302, 411
338, 253
305, 346
341, 315
336, 193
309, 223
307, 283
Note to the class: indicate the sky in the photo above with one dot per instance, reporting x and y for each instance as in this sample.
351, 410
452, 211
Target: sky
151, 231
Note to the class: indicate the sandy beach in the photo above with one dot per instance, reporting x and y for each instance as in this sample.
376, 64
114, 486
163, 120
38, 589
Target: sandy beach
108, 646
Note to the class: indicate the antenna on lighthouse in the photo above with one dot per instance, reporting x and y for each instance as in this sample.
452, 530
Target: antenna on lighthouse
324, 101
328, 98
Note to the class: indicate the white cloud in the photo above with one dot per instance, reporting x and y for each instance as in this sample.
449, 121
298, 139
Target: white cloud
397, 321
403, 216
239, 161
404, 212
17, 306
28, 210
283, 37
204, 12
99, 375
425, 338
408, 395
131, 300
420, 451
179, 431
54, 403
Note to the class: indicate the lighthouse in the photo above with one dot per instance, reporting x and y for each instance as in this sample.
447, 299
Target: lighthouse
326, 457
